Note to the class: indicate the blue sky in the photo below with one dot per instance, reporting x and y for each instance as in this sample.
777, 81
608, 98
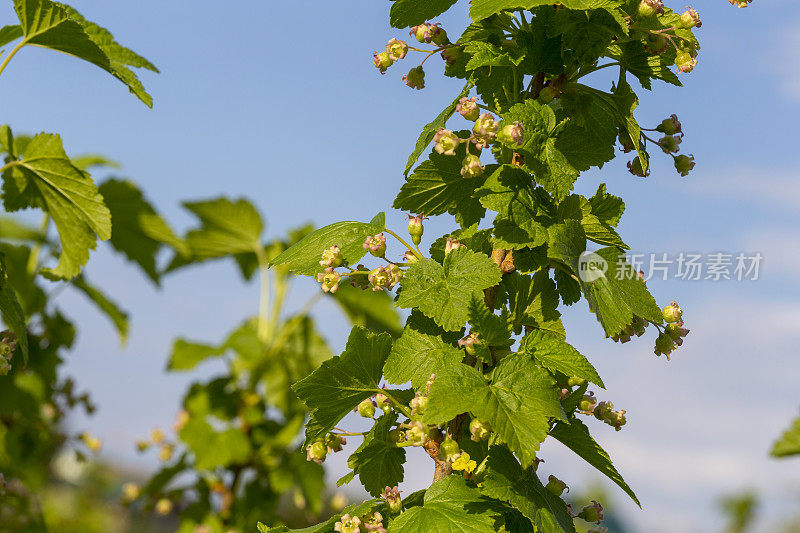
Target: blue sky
279, 102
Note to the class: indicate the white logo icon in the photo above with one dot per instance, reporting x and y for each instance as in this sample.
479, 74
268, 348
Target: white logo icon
591, 266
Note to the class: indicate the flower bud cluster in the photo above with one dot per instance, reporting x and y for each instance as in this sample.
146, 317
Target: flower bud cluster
318, 450
427, 33
670, 144
8, 343
672, 337
384, 277
740, 3
636, 327
485, 131
603, 411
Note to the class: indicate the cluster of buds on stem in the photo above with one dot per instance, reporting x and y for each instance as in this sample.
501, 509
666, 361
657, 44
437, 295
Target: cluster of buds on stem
426, 33
670, 144
740, 3
479, 431
603, 411
672, 337
318, 450
636, 327
8, 343
485, 131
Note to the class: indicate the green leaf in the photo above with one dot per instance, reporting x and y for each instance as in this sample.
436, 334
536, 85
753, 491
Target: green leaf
436, 187
575, 436
342, 382
619, 294
518, 403
379, 461
212, 449
186, 354
483, 54
789, 443
137, 230
303, 258
373, 310
358, 509
423, 349
482, 9
442, 292
634, 58
607, 207
227, 227
507, 481
556, 355
405, 13
430, 129
532, 301
451, 506
493, 330
45, 178
60, 27
543, 145
11, 311
114, 313
509, 191
10, 33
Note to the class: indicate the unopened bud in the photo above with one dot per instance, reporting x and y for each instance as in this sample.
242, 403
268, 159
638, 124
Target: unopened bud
690, 19
471, 167
656, 43
648, 8
448, 449
548, 94
418, 404
684, 164
592, 513
420, 33
670, 126
512, 134
130, 492
635, 168
316, 452
672, 312
366, 408
451, 244
382, 61
479, 431
334, 442
670, 144
415, 228
685, 62
392, 497
382, 402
